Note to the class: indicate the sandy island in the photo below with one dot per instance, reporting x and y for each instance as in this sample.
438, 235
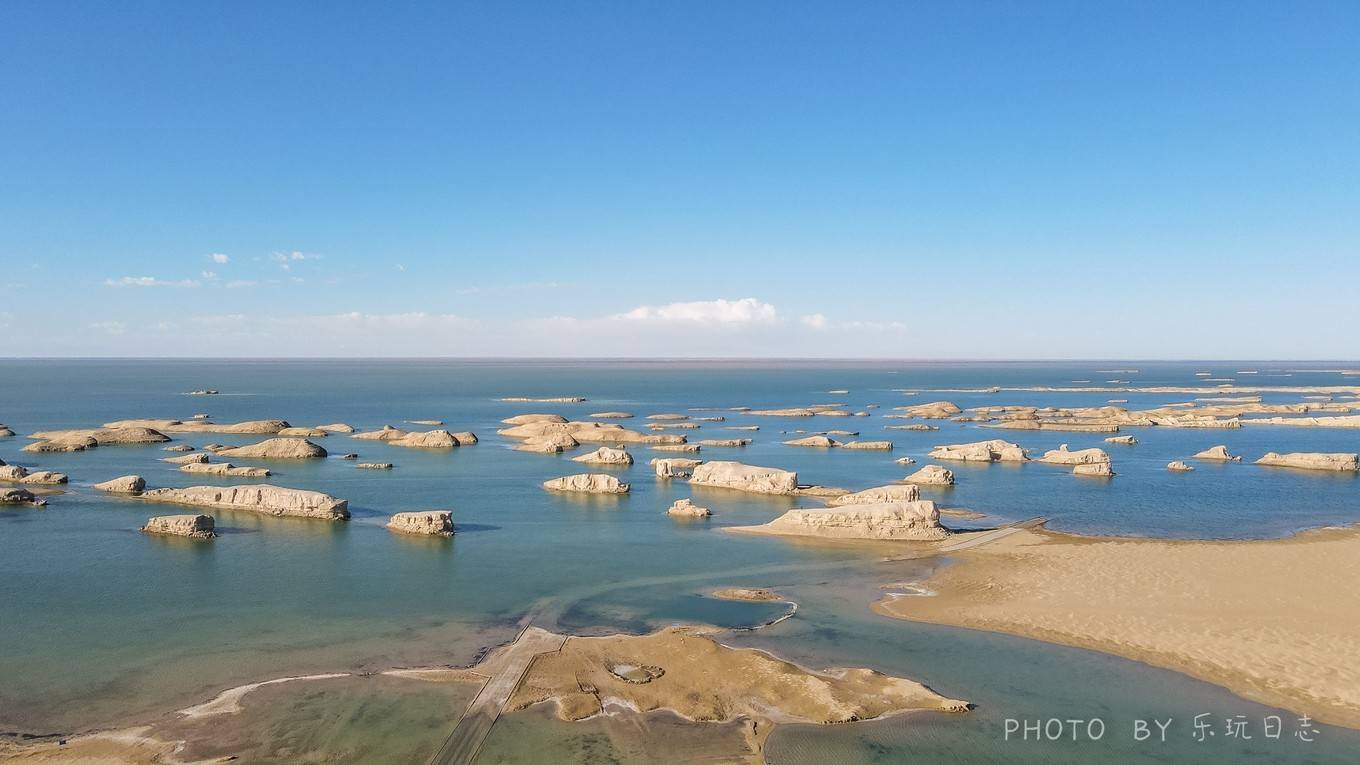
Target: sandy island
1275, 621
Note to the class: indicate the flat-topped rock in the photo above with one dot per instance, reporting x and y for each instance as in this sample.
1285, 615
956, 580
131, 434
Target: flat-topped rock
668, 416
935, 410
869, 446
126, 484
373, 466
271, 500
430, 439
590, 432
820, 442
249, 427
387, 433
748, 478
995, 450
1178, 466
68, 444
336, 427
1124, 440
177, 448
612, 416
526, 419
303, 433
674, 467
429, 523
683, 448
898, 492
224, 469
427, 423
544, 400
277, 449
19, 474
931, 475
1312, 461
914, 426
903, 521
792, 412
1094, 469
1062, 456
1217, 454
684, 508
589, 483
606, 455
187, 459
191, 526
725, 443
549, 444
16, 496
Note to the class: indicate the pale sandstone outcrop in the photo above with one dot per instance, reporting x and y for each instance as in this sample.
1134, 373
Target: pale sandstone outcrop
611, 416
431, 439
685, 508
995, 450
905, 461
277, 449
388, 433
750, 478
1343, 421
249, 427
430, 523
606, 456
674, 426
1218, 454
549, 444
127, 484
794, 412
1125, 440
684, 448
1094, 469
177, 448
1312, 461
914, 426
271, 500
526, 419
715, 418
426, 422
373, 466
668, 417
70, 444
725, 442
590, 432
192, 526
901, 492
1061, 456
590, 483
224, 469
872, 446
742, 427
916, 521
1178, 466
674, 467
18, 474
336, 427
302, 433
814, 441
545, 400
931, 475
935, 410
187, 459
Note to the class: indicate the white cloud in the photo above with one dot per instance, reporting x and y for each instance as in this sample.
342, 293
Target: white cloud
149, 281
109, 327
219, 258
813, 320
208, 275
743, 311
287, 259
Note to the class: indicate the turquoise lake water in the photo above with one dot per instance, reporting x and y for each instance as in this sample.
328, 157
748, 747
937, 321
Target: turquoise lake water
101, 625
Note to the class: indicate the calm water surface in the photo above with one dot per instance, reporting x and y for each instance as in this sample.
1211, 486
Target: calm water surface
102, 625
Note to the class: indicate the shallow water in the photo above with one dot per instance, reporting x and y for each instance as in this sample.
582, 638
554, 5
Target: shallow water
104, 625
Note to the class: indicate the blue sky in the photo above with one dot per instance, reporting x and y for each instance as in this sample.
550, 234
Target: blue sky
966, 180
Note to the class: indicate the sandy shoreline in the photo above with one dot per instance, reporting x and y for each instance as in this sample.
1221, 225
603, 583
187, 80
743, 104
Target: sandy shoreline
1277, 621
